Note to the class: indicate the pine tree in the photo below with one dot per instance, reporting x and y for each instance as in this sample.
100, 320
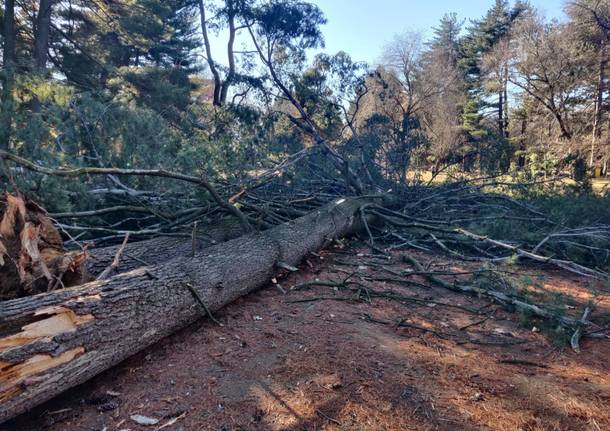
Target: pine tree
482, 37
117, 34
446, 39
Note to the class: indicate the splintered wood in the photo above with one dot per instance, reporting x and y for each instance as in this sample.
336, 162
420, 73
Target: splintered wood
12, 376
32, 257
60, 321
40, 327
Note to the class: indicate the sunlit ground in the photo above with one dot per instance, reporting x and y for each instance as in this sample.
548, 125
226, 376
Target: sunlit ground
305, 360
600, 185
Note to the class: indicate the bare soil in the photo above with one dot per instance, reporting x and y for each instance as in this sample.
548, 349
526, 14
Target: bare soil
336, 363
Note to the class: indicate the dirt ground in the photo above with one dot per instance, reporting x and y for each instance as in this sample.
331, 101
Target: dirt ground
317, 359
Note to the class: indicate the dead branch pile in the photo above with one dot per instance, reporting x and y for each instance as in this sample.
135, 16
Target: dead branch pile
442, 219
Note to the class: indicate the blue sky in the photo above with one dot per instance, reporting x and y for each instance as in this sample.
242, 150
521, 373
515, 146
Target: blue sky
362, 27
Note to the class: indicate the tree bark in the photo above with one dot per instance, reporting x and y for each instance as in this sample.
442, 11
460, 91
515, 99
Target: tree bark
55, 341
597, 120
41, 45
8, 75
208, 53
41, 41
565, 132
505, 90
501, 112
231, 12
522, 143
158, 250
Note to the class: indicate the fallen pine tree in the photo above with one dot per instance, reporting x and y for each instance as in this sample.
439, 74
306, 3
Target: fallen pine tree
54, 341
57, 340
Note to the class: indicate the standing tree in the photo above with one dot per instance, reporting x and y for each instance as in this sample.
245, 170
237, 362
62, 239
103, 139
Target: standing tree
41, 34
8, 74
591, 22
282, 31
442, 112
550, 67
487, 86
229, 16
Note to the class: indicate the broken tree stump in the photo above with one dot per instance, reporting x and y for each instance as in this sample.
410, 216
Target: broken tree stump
32, 256
54, 341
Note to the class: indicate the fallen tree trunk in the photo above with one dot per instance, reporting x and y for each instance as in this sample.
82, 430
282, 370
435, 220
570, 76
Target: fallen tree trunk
158, 250
52, 342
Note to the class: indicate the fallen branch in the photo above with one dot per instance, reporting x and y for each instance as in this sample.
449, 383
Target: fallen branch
501, 297
575, 340
573, 267
115, 262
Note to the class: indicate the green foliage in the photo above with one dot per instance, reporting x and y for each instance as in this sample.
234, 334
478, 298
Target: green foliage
124, 89
530, 290
566, 210
446, 38
482, 36
290, 23
536, 167
495, 154
472, 120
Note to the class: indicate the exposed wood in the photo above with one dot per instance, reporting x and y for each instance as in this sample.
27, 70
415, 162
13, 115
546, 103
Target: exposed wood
52, 342
32, 256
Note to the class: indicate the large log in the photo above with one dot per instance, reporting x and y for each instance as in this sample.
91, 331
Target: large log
54, 341
157, 250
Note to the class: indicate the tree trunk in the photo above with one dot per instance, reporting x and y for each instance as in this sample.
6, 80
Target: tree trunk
597, 120
522, 143
41, 41
565, 132
505, 85
501, 112
158, 250
52, 342
208, 53
41, 44
8, 74
230, 54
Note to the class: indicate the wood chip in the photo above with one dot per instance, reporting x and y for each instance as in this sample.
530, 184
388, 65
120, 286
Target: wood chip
144, 420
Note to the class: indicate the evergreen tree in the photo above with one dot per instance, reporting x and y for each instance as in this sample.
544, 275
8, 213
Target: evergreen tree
446, 39
116, 34
482, 37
